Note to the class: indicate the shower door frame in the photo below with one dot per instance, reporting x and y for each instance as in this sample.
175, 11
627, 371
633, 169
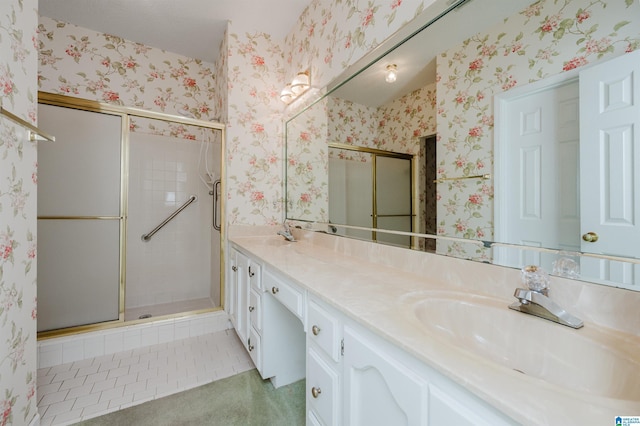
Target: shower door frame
374, 207
125, 113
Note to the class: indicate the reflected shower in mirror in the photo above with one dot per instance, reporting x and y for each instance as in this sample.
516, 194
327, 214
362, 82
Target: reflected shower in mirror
508, 88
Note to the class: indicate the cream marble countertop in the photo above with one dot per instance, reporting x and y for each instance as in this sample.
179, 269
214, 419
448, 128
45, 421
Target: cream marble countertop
378, 287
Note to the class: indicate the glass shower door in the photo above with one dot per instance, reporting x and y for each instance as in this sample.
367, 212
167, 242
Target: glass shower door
79, 218
393, 199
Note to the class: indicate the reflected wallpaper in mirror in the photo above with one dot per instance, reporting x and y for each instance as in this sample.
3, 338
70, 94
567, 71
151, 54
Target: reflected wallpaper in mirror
546, 39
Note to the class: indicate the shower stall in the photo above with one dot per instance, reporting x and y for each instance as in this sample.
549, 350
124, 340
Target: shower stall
372, 189
129, 216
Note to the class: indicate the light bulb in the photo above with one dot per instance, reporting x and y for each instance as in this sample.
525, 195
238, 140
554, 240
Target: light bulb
392, 73
300, 83
286, 95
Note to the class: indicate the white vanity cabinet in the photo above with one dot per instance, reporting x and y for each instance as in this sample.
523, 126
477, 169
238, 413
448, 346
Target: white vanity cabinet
271, 332
324, 365
378, 388
244, 302
355, 378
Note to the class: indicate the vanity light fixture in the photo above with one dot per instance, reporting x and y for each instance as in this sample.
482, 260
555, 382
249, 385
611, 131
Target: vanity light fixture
300, 84
286, 95
392, 73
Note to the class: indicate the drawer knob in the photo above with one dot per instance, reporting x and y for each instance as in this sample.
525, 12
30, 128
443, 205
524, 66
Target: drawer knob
234, 268
315, 330
251, 308
275, 290
315, 392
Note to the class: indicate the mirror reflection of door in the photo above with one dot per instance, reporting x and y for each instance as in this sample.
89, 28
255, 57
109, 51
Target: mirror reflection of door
542, 145
539, 194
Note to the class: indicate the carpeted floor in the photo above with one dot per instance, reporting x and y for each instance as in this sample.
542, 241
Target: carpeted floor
243, 400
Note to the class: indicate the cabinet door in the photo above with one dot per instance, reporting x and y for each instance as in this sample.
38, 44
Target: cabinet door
231, 289
323, 389
255, 310
255, 275
377, 389
254, 346
242, 291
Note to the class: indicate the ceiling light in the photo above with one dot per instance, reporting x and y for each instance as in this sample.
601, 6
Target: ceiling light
392, 73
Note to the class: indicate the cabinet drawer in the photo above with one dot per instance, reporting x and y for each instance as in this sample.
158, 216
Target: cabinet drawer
322, 389
255, 310
255, 276
324, 330
290, 296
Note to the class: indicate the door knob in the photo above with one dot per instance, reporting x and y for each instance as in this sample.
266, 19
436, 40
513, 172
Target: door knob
315, 392
590, 237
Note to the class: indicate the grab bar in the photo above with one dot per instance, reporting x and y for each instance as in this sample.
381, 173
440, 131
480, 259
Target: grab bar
34, 133
214, 192
147, 237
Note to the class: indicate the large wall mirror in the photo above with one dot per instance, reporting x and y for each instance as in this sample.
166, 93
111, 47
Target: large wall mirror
520, 121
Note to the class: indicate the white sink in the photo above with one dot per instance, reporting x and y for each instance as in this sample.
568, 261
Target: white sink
588, 360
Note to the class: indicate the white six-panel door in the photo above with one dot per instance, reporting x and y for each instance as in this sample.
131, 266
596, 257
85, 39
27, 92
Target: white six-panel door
610, 151
537, 196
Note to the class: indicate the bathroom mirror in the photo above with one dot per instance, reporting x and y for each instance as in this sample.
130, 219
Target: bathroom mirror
480, 77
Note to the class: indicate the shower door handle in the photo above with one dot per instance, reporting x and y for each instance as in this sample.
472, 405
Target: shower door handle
216, 216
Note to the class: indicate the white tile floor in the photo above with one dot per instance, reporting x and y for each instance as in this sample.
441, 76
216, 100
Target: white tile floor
77, 391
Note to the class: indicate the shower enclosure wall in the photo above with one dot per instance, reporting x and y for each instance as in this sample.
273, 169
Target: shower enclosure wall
112, 176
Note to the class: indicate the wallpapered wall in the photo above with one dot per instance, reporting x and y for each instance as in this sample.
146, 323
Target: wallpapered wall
547, 38
330, 35
307, 167
397, 126
82, 63
18, 180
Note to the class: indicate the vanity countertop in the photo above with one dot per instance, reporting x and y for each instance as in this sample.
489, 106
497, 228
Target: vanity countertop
358, 279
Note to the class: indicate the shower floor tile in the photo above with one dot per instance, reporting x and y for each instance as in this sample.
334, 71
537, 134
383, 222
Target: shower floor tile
73, 392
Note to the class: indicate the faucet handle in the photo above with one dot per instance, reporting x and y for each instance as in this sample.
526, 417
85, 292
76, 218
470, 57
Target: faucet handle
535, 278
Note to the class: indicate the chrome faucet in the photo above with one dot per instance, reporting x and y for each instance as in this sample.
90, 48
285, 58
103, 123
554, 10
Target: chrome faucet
536, 301
286, 232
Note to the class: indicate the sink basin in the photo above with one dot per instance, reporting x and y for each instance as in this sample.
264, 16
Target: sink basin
588, 360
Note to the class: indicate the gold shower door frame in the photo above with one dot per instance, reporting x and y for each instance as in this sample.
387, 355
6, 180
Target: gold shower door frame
374, 208
125, 113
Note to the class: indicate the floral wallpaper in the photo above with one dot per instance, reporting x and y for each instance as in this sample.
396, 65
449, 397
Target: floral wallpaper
307, 164
397, 126
18, 228
329, 36
82, 63
547, 38
254, 133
